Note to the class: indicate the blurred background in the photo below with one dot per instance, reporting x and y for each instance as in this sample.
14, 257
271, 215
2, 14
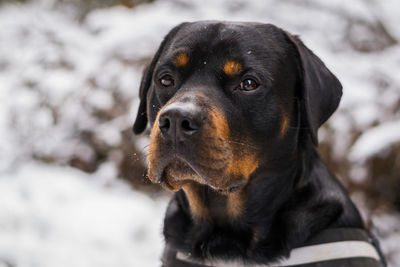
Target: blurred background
73, 190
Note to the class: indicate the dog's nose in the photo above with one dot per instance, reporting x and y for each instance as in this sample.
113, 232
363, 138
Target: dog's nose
177, 123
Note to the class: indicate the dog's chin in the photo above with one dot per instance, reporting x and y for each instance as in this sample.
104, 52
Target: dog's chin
178, 173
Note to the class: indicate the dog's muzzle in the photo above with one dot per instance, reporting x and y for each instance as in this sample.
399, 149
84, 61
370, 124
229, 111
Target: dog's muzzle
191, 141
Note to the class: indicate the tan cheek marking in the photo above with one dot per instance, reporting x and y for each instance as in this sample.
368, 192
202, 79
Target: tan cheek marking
219, 130
285, 125
232, 68
220, 123
196, 202
181, 59
153, 147
235, 204
244, 164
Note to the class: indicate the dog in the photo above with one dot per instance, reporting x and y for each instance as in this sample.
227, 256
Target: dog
234, 110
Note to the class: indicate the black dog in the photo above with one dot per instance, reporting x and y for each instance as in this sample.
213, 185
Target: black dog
235, 110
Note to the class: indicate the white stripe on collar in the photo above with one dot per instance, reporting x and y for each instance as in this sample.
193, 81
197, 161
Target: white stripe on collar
304, 255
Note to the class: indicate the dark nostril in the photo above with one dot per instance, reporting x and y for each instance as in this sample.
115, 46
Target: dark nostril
164, 123
178, 123
188, 126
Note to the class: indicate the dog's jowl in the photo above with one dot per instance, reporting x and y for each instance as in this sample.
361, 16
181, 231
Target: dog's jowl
234, 111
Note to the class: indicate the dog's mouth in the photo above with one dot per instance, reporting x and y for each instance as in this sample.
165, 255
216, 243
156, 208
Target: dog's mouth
177, 173
179, 166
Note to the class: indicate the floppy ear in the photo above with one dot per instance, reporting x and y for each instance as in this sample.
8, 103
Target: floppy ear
141, 118
321, 90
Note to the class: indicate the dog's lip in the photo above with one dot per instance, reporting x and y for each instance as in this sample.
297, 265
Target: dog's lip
231, 189
174, 160
164, 182
162, 179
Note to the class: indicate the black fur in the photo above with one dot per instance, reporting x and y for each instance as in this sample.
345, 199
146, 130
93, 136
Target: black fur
292, 195
141, 118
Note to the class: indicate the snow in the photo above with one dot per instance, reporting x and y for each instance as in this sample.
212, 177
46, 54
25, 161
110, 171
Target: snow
59, 216
61, 79
370, 142
389, 230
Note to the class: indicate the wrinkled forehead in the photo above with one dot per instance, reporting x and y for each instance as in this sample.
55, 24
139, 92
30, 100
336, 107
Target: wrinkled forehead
239, 41
216, 32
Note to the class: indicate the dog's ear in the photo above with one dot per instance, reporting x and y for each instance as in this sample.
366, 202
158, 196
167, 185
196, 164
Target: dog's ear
321, 90
141, 118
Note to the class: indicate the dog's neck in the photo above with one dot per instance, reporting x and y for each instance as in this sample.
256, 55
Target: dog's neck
208, 205
263, 220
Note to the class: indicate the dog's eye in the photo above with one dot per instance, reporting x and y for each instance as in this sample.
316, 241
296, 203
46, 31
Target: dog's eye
248, 85
167, 81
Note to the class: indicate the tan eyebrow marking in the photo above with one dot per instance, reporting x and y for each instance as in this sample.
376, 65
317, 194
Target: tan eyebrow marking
285, 125
181, 59
232, 68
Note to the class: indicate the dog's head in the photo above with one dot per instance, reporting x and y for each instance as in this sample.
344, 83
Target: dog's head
226, 99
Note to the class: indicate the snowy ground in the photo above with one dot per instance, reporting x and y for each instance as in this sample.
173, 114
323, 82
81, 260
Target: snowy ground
60, 78
58, 216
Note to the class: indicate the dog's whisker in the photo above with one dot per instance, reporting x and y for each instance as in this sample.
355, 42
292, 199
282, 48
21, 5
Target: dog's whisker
237, 142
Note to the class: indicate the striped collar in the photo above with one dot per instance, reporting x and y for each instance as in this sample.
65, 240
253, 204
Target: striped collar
332, 247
